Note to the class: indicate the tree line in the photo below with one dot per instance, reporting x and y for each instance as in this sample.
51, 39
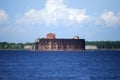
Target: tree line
105, 44
19, 46
99, 44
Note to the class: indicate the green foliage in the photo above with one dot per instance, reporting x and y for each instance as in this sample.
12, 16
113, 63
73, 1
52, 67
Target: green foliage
6, 45
105, 44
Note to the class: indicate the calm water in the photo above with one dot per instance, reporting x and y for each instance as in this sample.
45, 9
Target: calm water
79, 65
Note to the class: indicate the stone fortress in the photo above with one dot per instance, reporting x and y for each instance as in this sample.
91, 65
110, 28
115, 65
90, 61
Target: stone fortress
50, 43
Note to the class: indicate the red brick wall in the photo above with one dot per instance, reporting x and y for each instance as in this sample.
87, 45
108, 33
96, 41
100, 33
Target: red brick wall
50, 36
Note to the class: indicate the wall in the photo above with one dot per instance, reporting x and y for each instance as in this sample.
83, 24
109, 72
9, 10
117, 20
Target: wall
60, 44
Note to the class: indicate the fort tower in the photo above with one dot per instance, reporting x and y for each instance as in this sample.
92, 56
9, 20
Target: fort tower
50, 43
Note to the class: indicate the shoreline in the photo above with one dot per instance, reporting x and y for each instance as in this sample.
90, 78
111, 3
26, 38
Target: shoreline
60, 50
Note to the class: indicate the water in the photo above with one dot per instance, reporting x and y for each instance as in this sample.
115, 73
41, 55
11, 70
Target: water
79, 65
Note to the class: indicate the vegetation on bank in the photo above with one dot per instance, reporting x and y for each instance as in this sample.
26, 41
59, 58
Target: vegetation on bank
105, 44
98, 44
19, 46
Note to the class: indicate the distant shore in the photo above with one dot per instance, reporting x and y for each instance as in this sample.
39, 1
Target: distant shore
91, 45
60, 50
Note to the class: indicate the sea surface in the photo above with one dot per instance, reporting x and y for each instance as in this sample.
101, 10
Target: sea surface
59, 65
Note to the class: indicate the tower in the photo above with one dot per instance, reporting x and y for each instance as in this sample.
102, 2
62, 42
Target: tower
50, 36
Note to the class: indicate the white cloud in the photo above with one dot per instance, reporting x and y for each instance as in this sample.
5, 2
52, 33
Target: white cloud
54, 11
110, 19
3, 16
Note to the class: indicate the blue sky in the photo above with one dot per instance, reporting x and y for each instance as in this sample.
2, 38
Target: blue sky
26, 20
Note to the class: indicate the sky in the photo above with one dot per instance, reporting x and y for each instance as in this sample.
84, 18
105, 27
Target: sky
26, 20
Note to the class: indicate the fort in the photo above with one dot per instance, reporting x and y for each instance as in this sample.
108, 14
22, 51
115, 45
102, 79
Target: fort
50, 43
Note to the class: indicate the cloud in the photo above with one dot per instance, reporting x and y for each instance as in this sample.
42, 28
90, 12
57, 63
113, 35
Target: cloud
54, 11
3, 16
109, 18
